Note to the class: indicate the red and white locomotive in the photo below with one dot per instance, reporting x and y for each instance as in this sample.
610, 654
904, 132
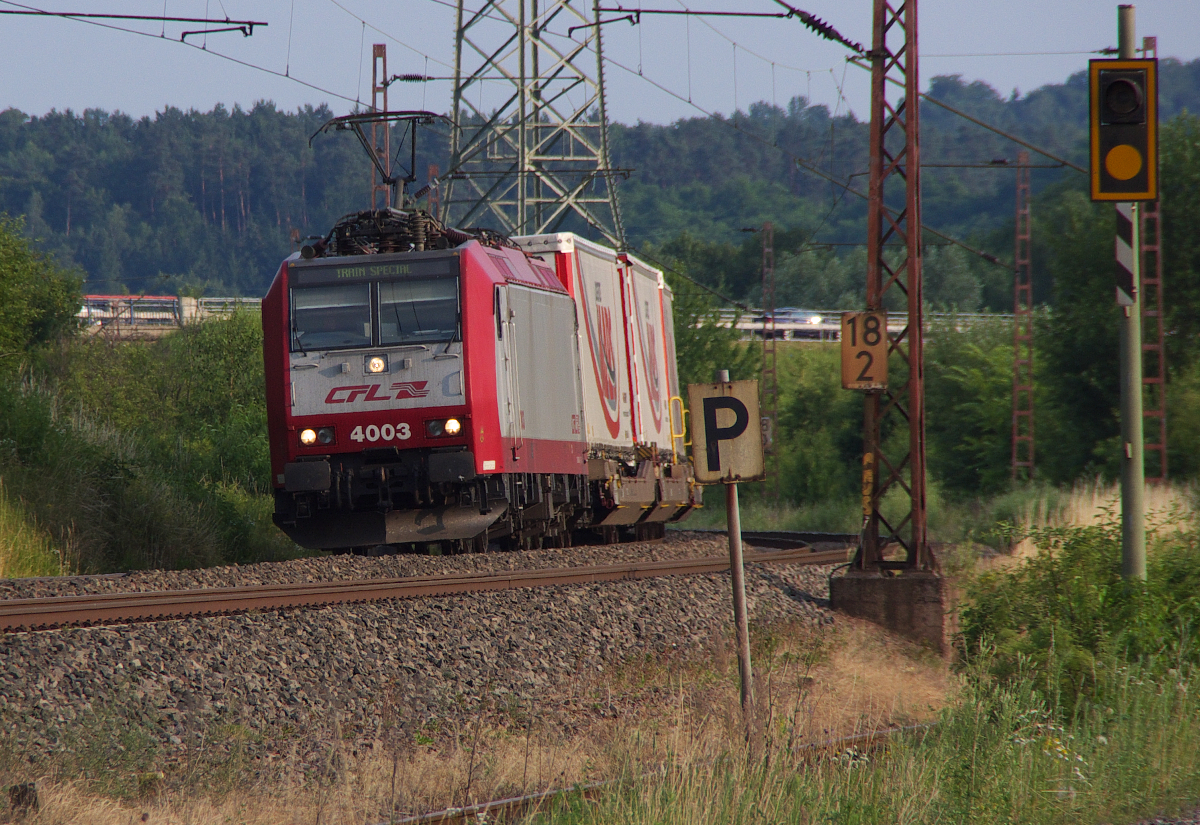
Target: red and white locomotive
426, 385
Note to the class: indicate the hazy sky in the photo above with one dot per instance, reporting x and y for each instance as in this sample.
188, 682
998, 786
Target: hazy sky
58, 64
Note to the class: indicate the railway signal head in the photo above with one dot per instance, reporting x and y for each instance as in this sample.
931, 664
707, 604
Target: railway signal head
1124, 129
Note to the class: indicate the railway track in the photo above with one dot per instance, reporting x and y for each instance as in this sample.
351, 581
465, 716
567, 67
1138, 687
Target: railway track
123, 608
786, 539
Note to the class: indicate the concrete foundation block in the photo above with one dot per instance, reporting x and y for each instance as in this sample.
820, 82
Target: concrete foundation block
913, 605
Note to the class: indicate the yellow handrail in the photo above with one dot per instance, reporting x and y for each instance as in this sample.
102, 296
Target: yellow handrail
682, 434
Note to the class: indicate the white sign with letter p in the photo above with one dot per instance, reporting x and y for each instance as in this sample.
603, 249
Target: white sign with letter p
726, 436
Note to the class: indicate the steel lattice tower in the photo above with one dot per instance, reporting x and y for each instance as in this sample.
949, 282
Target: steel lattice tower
894, 266
1154, 355
531, 145
1022, 388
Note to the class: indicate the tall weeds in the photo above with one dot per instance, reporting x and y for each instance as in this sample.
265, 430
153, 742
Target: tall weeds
999, 754
25, 549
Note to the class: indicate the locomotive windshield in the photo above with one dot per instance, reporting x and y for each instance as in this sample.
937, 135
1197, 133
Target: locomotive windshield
329, 317
418, 311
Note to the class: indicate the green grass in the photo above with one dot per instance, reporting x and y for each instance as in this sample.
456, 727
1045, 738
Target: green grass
832, 516
25, 549
998, 755
949, 520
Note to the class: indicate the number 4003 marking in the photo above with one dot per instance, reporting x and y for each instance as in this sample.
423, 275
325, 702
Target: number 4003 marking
864, 350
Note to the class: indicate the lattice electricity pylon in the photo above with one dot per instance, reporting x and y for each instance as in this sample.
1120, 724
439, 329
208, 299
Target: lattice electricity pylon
530, 150
895, 159
380, 132
1154, 354
1022, 383
768, 386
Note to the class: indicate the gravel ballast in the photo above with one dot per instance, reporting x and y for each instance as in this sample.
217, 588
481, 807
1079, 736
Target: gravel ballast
288, 678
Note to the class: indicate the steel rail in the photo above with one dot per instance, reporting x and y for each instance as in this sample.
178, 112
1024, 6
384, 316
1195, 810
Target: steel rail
121, 608
787, 539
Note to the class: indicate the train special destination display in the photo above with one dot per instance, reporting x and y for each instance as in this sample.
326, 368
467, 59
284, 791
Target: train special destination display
428, 385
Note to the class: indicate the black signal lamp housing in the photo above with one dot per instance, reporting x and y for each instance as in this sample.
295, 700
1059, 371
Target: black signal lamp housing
1123, 97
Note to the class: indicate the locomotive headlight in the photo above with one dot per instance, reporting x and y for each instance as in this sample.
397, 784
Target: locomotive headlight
377, 364
308, 437
325, 435
439, 427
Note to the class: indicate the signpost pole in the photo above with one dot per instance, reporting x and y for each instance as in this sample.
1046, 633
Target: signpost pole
1123, 127
737, 570
741, 625
726, 450
1133, 483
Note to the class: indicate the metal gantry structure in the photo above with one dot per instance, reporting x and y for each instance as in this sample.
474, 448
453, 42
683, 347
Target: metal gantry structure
894, 268
1022, 380
1154, 356
529, 152
769, 383
380, 132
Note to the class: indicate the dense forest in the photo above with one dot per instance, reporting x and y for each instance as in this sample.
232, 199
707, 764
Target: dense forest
207, 202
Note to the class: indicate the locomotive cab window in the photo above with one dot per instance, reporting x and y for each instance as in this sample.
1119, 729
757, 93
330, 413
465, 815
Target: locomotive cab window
388, 313
418, 312
331, 317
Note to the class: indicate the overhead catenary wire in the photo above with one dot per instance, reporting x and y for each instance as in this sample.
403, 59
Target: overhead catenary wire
809, 21
723, 35
1023, 54
395, 39
245, 26
362, 44
978, 122
701, 16
286, 73
245, 63
803, 163
688, 13
291, 20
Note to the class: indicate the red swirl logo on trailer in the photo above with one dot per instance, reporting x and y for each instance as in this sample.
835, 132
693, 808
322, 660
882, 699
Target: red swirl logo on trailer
650, 365
600, 339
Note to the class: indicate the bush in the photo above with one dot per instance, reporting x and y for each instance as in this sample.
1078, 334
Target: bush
1068, 613
38, 299
137, 455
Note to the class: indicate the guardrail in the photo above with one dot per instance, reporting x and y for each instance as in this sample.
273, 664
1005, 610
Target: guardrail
148, 315
825, 324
